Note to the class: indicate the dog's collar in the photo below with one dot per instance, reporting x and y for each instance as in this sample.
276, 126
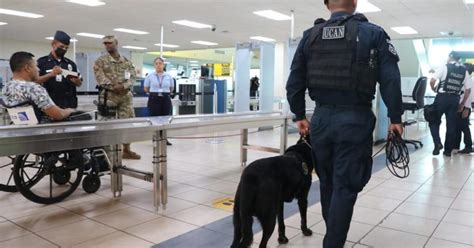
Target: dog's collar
304, 166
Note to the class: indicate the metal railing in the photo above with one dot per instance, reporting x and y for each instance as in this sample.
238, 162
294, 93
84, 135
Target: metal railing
17, 140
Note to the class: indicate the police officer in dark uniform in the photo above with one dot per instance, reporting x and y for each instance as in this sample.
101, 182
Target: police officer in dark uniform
339, 61
61, 88
454, 80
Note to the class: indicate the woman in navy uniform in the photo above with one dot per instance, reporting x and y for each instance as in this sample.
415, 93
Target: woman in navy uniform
62, 89
340, 61
159, 85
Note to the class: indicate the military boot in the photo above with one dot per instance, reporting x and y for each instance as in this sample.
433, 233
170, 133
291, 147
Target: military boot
128, 154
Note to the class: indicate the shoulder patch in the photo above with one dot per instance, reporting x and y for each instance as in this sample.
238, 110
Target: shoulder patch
391, 48
333, 33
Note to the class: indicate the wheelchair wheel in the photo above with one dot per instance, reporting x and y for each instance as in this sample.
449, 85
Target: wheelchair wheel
61, 176
91, 183
7, 183
41, 181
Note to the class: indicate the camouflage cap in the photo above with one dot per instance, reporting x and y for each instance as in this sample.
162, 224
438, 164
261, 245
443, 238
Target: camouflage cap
110, 38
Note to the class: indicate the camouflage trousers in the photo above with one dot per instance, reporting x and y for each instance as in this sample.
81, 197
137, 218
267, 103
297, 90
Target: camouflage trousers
124, 105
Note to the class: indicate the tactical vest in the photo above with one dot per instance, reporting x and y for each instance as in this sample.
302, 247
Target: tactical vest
454, 79
332, 62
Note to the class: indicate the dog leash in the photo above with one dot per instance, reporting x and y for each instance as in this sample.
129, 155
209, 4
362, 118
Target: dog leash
397, 155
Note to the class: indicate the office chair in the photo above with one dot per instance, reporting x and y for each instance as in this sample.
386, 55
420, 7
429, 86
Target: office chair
417, 104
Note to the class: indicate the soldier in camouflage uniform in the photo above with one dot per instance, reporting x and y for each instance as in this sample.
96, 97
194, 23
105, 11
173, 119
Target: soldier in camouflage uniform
22, 89
116, 75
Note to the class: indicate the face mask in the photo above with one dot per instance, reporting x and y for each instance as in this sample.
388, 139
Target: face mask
60, 52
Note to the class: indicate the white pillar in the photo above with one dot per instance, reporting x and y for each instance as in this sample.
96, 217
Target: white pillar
267, 76
242, 78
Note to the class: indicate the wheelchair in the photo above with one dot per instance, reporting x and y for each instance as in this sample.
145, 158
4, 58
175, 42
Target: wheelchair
49, 178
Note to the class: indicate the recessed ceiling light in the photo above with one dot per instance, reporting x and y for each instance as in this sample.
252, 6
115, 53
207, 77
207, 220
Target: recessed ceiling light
3, 23
167, 45
192, 24
131, 31
134, 47
194, 65
193, 61
19, 13
469, 1
90, 3
270, 14
204, 43
261, 38
52, 38
363, 6
404, 30
97, 36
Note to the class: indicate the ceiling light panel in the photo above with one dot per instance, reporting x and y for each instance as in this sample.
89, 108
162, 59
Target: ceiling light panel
404, 30
261, 38
52, 38
192, 24
273, 15
19, 13
167, 45
364, 6
3, 23
90, 3
134, 47
204, 43
97, 36
131, 31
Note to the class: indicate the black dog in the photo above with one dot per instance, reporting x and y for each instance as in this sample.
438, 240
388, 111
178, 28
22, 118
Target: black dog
264, 187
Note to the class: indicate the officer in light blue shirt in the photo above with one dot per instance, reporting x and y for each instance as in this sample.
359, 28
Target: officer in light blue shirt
159, 85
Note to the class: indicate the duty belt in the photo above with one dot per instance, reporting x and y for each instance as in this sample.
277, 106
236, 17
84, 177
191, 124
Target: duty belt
159, 94
345, 107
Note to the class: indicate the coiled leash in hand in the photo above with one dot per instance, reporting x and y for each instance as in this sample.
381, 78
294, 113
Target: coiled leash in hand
397, 155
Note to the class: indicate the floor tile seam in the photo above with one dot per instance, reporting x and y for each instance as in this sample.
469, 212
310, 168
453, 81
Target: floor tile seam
386, 216
31, 214
452, 241
111, 227
444, 216
45, 212
35, 234
15, 224
49, 228
116, 231
393, 229
31, 232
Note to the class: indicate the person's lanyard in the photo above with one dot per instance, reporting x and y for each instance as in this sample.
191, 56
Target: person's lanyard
160, 80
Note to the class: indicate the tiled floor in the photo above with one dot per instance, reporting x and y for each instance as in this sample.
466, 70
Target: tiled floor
434, 207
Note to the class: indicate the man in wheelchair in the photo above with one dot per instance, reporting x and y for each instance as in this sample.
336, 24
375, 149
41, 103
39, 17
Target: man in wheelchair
29, 103
23, 89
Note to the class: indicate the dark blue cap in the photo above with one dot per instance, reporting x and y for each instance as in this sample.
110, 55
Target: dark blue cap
62, 37
454, 55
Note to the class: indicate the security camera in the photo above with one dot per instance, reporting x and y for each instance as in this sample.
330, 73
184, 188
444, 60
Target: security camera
451, 33
213, 28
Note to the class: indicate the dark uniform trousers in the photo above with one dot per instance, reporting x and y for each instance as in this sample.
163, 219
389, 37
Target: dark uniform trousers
342, 140
159, 104
462, 127
447, 104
